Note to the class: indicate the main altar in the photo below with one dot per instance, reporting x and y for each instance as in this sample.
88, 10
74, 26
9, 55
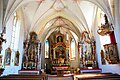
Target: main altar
59, 56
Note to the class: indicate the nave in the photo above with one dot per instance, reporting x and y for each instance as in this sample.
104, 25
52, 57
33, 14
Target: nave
47, 39
83, 76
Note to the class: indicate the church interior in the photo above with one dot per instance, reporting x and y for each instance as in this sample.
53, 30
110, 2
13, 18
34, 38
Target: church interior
60, 39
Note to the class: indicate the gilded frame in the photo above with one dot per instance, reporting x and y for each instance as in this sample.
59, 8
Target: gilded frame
17, 57
8, 56
1, 60
111, 53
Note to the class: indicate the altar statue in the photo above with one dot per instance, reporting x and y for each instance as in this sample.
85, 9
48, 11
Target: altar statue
1, 41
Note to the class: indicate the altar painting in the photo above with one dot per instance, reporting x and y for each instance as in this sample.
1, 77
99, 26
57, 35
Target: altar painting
0, 60
17, 58
8, 56
111, 53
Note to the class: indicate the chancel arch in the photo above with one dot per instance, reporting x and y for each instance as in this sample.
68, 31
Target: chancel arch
55, 24
61, 14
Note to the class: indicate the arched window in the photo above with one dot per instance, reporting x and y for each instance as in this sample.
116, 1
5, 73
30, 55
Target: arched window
72, 49
15, 32
102, 17
46, 49
67, 36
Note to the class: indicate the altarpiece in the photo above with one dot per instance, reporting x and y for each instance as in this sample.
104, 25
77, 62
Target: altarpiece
59, 54
31, 53
87, 51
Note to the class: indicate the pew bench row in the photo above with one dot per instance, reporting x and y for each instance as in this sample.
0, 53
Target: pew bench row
24, 77
101, 76
96, 76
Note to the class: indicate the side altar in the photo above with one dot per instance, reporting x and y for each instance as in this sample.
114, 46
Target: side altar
87, 52
31, 53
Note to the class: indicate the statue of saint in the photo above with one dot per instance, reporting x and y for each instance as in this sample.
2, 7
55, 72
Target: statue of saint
8, 56
1, 41
17, 58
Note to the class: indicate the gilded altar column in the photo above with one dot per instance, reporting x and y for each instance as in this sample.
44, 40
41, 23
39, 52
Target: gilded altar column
39, 56
67, 53
54, 55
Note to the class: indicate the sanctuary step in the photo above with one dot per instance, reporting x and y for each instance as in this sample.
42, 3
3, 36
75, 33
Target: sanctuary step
60, 70
29, 72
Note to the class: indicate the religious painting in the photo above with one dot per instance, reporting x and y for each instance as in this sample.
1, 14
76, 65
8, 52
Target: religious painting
17, 55
111, 53
33, 36
60, 52
1, 41
0, 46
59, 39
86, 37
7, 56
1, 60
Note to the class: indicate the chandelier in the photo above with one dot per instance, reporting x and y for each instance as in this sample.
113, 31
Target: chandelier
105, 28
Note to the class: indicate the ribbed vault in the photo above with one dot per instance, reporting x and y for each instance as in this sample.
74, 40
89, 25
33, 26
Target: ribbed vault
46, 16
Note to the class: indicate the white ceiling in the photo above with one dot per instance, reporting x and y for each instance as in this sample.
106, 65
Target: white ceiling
47, 16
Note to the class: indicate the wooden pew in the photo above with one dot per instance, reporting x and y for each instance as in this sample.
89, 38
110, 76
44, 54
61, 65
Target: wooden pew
23, 77
103, 76
63, 77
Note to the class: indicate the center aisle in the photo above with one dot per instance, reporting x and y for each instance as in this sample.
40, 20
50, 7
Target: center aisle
64, 77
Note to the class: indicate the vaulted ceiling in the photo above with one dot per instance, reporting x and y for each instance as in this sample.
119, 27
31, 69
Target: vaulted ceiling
47, 16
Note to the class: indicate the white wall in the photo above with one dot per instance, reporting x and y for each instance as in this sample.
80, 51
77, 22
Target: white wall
1, 14
113, 68
117, 23
12, 69
7, 36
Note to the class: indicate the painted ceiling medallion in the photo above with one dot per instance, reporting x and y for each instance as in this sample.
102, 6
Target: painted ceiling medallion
59, 21
58, 5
